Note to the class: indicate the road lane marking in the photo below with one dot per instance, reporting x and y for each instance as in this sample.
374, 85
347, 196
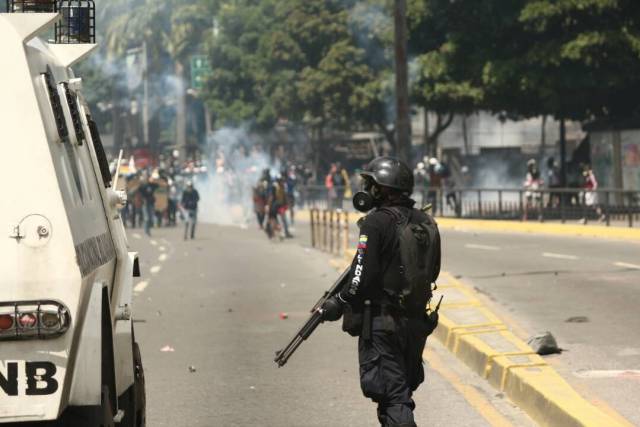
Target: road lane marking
162, 248
559, 256
155, 269
627, 265
136, 236
153, 242
141, 286
484, 247
470, 393
629, 352
162, 257
609, 373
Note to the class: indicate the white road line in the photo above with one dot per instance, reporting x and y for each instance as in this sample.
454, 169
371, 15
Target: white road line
153, 242
627, 265
560, 256
483, 247
155, 269
136, 236
162, 248
613, 373
141, 286
163, 257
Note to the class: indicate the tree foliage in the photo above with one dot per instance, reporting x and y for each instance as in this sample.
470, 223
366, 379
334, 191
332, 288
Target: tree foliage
575, 59
297, 60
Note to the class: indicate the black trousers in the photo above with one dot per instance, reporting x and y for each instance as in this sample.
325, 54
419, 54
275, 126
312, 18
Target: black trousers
391, 368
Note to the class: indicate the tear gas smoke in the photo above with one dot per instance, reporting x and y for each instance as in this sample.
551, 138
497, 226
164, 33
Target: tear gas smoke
235, 160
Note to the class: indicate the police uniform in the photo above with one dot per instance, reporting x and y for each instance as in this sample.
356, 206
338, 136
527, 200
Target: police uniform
391, 339
390, 343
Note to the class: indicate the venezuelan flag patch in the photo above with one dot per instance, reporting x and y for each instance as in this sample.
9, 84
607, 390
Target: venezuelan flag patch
362, 242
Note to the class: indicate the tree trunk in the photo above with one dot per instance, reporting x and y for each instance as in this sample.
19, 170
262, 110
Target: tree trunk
425, 133
317, 140
465, 135
563, 153
543, 137
181, 109
441, 125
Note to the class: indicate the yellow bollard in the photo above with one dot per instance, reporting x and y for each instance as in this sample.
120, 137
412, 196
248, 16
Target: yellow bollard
331, 230
312, 218
345, 235
324, 230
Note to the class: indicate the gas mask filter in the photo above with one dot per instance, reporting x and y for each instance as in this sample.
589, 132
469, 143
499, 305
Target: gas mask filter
364, 200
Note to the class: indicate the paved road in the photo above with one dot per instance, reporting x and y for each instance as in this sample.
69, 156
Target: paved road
585, 291
214, 304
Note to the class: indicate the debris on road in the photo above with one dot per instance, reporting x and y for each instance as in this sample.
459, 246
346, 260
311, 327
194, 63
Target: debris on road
252, 388
230, 310
544, 344
577, 319
192, 368
167, 349
283, 285
284, 315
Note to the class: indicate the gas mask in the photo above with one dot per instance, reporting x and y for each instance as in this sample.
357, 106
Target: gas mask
366, 199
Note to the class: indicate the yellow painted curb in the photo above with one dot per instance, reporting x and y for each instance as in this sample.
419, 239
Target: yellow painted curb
624, 233
480, 339
483, 342
579, 230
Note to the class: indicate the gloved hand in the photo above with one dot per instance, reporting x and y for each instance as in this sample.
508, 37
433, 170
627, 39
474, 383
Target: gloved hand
432, 321
332, 309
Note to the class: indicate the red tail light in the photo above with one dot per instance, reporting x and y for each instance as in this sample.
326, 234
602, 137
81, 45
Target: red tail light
33, 319
6, 322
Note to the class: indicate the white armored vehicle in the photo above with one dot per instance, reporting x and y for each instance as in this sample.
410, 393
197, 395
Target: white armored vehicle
68, 355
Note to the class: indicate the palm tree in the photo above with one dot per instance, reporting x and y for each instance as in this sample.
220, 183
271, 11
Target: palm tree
171, 27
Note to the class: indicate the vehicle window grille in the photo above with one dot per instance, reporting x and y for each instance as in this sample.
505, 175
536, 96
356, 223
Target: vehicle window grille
31, 6
103, 162
72, 100
56, 105
78, 24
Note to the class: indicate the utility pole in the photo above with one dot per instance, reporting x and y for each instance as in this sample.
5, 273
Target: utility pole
403, 123
563, 153
145, 96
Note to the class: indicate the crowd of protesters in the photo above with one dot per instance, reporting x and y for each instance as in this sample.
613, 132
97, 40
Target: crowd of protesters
275, 197
160, 195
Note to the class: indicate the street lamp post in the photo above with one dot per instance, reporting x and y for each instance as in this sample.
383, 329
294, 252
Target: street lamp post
403, 124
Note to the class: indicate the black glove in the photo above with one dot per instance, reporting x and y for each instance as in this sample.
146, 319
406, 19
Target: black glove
332, 309
432, 321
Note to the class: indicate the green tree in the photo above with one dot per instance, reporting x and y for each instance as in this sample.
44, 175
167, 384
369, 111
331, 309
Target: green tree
298, 60
172, 29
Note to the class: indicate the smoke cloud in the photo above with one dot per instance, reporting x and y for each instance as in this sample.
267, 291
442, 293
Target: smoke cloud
235, 159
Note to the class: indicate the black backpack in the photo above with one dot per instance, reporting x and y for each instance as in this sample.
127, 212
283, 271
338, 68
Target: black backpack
418, 241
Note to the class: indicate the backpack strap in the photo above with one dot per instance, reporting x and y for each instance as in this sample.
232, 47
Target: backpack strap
396, 214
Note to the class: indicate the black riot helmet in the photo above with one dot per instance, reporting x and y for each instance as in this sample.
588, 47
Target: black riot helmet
383, 172
390, 172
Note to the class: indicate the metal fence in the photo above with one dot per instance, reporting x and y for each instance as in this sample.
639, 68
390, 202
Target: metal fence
607, 206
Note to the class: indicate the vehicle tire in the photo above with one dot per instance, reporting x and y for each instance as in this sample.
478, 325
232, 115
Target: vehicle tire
139, 388
107, 412
133, 401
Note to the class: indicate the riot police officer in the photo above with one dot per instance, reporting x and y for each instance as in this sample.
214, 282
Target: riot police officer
391, 335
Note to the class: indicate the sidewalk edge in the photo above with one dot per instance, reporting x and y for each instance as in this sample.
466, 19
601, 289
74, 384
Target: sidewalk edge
526, 378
